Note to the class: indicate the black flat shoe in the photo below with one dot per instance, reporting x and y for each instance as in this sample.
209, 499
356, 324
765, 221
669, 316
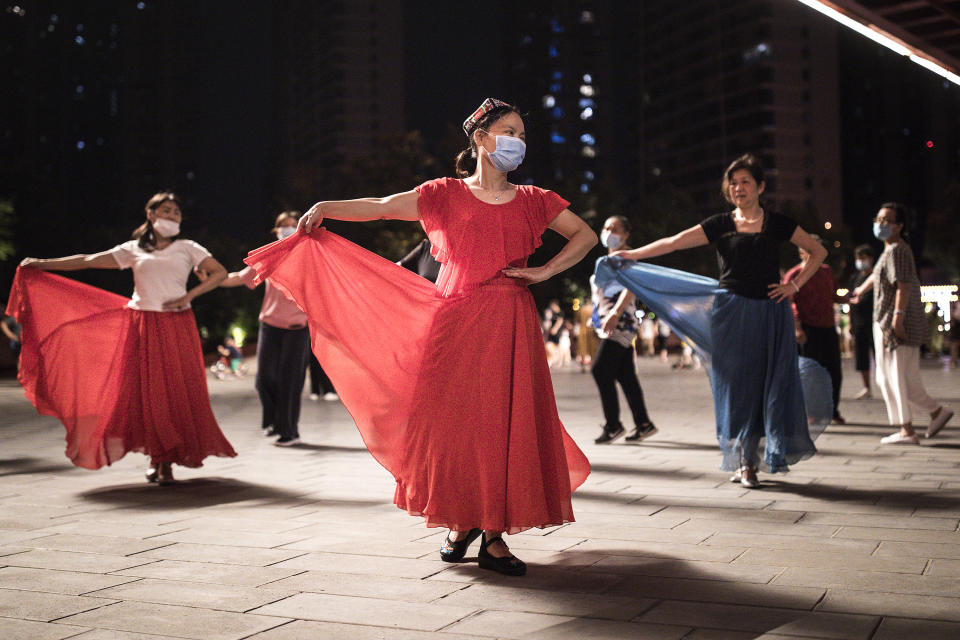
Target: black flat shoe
609, 434
454, 551
508, 566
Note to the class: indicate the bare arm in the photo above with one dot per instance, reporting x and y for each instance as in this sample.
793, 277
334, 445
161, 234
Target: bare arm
900, 309
235, 279
865, 286
399, 206
817, 253
580, 239
6, 331
688, 239
610, 322
102, 260
215, 275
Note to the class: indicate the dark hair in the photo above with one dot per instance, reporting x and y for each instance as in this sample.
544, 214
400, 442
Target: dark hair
864, 250
903, 217
145, 236
623, 221
283, 217
747, 162
466, 162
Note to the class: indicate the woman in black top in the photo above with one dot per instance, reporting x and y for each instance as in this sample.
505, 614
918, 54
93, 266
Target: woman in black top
755, 379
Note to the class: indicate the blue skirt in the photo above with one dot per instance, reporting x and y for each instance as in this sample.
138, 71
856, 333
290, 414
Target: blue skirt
761, 390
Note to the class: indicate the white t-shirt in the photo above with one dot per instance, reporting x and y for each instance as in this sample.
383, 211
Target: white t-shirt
161, 274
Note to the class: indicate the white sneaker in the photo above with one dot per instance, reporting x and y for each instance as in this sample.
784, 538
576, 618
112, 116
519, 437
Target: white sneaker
937, 423
864, 393
282, 442
314, 397
330, 396
898, 438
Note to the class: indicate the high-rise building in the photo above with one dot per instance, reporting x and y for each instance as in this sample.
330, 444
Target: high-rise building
339, 85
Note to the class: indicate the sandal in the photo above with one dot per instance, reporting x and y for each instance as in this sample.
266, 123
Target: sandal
508, 565
453, 551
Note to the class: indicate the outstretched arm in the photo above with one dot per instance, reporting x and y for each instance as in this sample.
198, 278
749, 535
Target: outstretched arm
102, 260
692, 237
580, 239
399, 206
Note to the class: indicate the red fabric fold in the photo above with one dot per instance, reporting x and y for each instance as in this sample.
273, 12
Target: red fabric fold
118, 379
451, 395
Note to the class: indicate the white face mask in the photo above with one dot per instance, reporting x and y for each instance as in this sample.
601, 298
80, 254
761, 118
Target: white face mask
286, 232
166, 228
863, 265
611, 240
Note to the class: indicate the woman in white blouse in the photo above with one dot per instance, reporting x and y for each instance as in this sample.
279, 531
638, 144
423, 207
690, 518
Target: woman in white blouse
123, 374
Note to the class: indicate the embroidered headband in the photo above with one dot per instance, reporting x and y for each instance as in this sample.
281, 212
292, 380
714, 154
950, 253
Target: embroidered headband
488, 105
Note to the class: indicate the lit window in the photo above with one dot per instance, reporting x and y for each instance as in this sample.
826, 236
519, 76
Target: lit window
79, 88
588, 175
588, 151
656, 171
586, 17
588, 138
586, 102
584, 188
79, 40
556, 27
552, 51
526, 40
81, 144
50, 28
80, 27
556, 87
586, 90
549, 101
586, 114
99, 142
557, 138
557, 112
556, 75
757, 52
828, 225
54, 18
191, 175
587, 78
141, 5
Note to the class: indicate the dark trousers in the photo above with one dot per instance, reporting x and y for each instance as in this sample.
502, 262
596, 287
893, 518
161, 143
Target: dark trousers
863, 346
319, 382
281, 369
614, 363
823, 346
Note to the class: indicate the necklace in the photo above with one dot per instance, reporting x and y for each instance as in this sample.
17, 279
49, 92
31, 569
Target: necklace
499, 193
754, 220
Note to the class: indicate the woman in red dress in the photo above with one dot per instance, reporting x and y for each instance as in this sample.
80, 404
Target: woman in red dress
449, 384
123, 374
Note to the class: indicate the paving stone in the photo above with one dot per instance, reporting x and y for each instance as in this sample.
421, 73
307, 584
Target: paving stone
43, 607
196, 594
829, 559
552, 602
893, 604
258, 524
352, 610
207, 572
93, 544
527, 626
13, 629
181, 622
949, 568
711, 526
301, 629
230, 538
721, 616
714, 553
891, 522
797, 543
899, 535
766, 595
219, 554
739, 515
669, 568
65, 582
110, 634
899, 628
919, 549
550, 577
718, 634
113, 529
842, 626
73, 561
368, 586
11, 536
370, 565
878, 581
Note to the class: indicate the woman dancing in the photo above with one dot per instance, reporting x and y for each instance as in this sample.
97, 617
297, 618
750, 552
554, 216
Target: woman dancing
448, 383
123, 374
755, 375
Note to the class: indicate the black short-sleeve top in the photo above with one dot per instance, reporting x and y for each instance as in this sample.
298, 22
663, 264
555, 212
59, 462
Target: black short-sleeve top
749, 262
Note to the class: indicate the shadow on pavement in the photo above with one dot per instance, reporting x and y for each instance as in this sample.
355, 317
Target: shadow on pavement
898, 497
16, 466
199, 492
306, 446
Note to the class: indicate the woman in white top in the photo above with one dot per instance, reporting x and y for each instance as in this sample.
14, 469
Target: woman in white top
123, 374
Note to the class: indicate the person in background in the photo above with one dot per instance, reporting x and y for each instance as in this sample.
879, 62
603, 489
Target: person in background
12, 329
123, 374
421, 261
899, 328
614, 361
815, 321
231, 357
282, 348
861, 318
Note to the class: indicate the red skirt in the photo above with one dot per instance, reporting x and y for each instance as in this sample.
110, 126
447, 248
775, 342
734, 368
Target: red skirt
118, 379
451, 395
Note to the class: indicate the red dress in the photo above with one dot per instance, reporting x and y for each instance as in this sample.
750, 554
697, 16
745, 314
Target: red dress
120, 379
448, 385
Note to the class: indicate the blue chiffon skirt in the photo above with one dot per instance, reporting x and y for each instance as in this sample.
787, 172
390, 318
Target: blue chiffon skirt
761, 389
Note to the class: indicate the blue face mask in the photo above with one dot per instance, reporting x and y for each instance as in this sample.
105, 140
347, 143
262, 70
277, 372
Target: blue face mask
882, 231
508, 154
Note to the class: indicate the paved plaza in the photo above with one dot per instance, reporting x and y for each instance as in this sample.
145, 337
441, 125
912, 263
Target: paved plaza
860, 542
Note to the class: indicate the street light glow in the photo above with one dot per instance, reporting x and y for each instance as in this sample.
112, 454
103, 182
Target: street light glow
881, 37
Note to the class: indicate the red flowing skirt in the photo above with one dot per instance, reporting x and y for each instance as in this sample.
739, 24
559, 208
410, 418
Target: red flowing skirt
451, 395
118, 379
